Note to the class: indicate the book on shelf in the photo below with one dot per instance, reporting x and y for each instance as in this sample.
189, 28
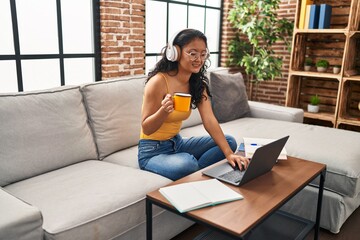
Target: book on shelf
194, 195
304, 3
314, 16
325, 16
307, 16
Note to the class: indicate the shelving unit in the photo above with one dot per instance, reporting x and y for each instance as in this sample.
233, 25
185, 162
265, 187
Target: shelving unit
340, 45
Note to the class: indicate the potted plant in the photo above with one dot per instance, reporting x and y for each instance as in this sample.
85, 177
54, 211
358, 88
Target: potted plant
259, 30
336, 69
308, 63
313, 106
322, 65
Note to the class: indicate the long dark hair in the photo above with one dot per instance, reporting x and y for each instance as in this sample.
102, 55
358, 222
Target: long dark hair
198, 81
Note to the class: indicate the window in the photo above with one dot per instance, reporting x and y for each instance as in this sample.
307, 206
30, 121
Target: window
165, 17
48, 43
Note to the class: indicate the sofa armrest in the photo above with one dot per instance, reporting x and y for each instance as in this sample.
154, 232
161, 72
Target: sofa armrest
271, 111
19, 220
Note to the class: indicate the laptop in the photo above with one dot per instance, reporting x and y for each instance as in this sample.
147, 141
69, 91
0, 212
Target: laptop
263, 160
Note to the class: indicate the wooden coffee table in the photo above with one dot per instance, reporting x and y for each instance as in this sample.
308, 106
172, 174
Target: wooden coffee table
263, 196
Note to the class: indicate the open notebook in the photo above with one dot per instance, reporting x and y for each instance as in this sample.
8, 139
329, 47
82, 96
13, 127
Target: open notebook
193, 195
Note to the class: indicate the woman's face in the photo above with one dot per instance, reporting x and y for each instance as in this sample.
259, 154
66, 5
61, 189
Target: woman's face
193, 56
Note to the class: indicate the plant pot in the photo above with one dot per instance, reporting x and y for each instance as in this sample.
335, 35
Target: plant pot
336, 70
307, 68
313, 108
321, 69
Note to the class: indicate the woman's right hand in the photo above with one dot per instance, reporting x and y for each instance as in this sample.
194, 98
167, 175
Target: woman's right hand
167, 104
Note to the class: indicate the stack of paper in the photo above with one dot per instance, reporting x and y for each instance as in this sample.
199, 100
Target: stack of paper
193, 195
251, 144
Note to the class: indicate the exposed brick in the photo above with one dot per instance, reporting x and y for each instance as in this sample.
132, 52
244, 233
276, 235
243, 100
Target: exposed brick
114, 30
136, 43
110, 10
137, 37
125, 11
140, 60
127, 25
139, 71
136, 66
115, 61
113, 24
106, 55
116, 4
114, 17
138, 49
109, 75
122, 37
138, 13
137, 18
110, 68
133, 55
137, 24
108, 37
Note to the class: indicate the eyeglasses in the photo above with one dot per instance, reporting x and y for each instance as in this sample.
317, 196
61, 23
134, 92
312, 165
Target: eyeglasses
196, 55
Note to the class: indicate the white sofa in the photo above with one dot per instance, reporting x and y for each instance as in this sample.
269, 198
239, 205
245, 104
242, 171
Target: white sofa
68, 163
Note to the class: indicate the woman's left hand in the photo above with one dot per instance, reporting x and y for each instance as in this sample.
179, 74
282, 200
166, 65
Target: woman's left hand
241, 162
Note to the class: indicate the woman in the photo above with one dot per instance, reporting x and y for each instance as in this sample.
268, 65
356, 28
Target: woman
161, 149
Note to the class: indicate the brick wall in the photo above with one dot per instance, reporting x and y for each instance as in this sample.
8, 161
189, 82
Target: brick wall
122, 37
270, 91
123, 44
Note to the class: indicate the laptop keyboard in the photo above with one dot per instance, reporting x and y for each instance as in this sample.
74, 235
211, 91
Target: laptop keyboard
233, 176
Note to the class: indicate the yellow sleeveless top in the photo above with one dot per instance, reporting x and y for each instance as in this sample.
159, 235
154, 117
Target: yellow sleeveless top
171, 125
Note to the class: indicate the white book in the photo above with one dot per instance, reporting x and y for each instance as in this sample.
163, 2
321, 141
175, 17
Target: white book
193, 195
251, 144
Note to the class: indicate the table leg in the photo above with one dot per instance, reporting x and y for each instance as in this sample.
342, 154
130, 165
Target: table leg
319, 204
148, 219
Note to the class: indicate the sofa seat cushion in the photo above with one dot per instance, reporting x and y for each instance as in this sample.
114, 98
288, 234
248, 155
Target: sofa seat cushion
336, 148
42, 131
114, 108
89, 200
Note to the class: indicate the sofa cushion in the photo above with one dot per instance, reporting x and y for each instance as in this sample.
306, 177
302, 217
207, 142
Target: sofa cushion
229, 98
42, 131
89, 200
114, 108
276, 112
334, 147
126, 157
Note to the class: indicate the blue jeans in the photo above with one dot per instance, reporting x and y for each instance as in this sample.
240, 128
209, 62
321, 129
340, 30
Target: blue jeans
178, 157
